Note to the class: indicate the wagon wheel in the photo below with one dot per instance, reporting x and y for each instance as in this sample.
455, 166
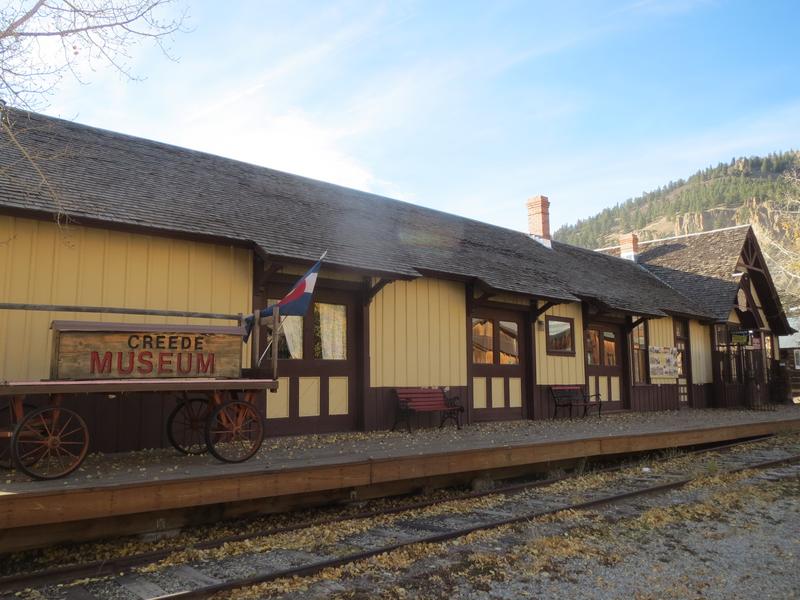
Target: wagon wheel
186, 425
7, 425
234, 431
50, 442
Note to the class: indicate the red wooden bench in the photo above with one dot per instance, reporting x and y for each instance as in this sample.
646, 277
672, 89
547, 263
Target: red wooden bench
568, 396
417, 400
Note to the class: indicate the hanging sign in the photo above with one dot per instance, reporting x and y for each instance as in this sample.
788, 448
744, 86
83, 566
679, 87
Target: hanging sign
740, 337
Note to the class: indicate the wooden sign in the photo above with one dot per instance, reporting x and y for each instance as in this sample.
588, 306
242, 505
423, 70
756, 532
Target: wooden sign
740, 338
89, 350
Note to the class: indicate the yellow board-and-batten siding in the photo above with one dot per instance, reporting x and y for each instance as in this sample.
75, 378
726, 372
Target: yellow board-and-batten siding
700, 346
560, 370
417, 334
661, 333
42, 263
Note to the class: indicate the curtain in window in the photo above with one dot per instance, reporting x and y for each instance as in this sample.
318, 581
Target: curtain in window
293, 334
332, 331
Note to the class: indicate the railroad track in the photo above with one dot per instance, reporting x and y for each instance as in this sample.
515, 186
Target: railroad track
202, 572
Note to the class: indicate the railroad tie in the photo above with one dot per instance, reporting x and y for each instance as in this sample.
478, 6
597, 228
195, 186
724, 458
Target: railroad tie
141, 587
192, 575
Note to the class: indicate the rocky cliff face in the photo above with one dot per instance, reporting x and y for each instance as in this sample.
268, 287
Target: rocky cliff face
777, 230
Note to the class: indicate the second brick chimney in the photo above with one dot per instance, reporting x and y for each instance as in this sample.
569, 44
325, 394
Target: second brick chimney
629, 246
539, 217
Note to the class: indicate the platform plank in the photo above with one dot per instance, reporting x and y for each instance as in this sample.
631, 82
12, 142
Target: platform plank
48, 506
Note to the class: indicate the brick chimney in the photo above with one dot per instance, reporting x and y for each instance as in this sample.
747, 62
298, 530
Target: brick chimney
539, 217
629, 246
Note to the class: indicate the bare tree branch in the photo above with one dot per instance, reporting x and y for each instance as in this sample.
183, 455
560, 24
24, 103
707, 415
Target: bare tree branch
43, 40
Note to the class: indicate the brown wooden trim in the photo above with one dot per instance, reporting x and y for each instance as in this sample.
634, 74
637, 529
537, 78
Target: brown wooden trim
96, 386
117, 311
373, 291
469, 395
147, 327
551, 351
538, 312
490, 304
645, 324
529, 339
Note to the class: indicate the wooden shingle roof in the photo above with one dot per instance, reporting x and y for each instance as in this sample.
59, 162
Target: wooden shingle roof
107, 177
703, 267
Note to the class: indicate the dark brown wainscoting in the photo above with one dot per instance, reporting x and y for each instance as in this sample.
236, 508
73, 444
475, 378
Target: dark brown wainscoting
542, 404
486, 415
127, 422
702, 395
380, 409
645, 398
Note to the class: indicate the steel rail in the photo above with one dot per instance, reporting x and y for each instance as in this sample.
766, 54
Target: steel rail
13, 583
312, 569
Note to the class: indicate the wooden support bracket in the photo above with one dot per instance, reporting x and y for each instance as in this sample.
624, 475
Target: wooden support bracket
373, 290
538, 312
636, 323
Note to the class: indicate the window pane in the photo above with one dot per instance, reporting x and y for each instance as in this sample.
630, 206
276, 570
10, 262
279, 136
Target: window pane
609, 349
640, 366
482, 341
509, 345
330, 331
290, 340
559, 336
593, 347
640, 360
638, 336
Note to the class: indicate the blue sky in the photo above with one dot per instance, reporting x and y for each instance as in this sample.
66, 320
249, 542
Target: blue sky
468, 107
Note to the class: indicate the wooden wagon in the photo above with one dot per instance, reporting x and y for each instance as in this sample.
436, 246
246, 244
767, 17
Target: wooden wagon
201, 366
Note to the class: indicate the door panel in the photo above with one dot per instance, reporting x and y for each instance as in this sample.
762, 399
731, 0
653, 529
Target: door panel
498, 364
604, 365
317, 365
681, 329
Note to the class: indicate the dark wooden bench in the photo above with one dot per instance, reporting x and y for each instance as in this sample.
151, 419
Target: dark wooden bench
569, 396
418, 400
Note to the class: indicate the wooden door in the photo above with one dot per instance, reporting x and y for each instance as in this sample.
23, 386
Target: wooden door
498, 364
681, 328
317, 367
604, 364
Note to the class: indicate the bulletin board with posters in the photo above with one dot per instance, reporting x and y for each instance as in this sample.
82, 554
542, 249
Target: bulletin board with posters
663, 361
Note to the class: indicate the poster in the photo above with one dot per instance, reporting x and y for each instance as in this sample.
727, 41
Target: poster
663, 361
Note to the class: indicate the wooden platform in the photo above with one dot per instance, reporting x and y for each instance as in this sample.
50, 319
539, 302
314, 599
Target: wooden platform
159, 495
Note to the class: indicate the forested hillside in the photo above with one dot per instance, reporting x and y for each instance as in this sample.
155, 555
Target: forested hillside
763, 191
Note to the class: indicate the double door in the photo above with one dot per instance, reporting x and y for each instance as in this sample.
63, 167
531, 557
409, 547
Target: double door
604, 365
498, 364
317, 366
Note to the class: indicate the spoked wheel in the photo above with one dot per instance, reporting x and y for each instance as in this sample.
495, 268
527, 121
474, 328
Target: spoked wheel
234, 431
6, 424
49, 443
186, 425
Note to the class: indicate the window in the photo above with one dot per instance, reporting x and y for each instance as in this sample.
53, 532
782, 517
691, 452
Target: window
609, 349
682, 346
560, 335
768, 348
640, 359
593, 347
290, 341
509, 343
330, 331
482, 341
